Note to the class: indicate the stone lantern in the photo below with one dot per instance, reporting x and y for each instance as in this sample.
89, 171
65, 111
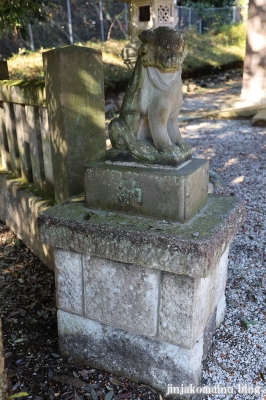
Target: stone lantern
146, 14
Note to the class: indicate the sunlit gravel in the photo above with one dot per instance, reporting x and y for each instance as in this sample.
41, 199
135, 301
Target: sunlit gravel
237, 152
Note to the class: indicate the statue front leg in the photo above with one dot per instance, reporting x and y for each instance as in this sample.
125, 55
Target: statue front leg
173, 131
158, 116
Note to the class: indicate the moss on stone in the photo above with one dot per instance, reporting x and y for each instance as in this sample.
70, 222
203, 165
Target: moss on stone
192, 248
23, 92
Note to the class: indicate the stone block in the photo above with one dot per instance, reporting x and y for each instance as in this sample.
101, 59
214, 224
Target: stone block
219, 276
221, 308
123, 295
187, 303
75, 103
153, 291
69, 281
184, 308
260, 118
193, 249
136, 356
174, 194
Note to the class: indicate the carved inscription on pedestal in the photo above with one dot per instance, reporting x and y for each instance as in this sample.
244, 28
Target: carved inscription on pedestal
129, 193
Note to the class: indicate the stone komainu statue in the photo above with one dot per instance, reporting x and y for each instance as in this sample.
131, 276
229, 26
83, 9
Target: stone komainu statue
148, 127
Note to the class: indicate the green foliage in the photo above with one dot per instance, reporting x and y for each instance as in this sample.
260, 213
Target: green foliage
232, 35
15, 15
200, 5
214, 49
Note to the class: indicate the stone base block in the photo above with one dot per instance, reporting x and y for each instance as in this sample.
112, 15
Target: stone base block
174, 194
170, 307
139, 297
136, 356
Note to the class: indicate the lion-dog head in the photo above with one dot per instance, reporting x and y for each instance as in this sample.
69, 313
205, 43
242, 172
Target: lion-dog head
163, 48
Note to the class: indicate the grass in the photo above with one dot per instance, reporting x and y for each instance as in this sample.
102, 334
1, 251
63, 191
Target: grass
206, 52
215, 50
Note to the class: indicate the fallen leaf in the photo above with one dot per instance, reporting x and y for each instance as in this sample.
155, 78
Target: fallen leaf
70, 380
83, 373
115, 381
55, 355
245, 323
94, 395
109, 395
18, 395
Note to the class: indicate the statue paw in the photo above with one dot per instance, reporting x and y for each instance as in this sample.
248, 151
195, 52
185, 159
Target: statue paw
172, 151
184, 146
117, 134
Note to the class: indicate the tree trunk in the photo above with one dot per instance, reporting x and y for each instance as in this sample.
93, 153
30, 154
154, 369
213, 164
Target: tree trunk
3, 377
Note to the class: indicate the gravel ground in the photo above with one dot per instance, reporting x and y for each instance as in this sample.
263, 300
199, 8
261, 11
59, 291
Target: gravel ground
237, 153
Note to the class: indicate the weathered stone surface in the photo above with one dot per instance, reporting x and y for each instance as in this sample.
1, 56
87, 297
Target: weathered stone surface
186, 304
75, 103
150, 16
47, 151
69, 281
208, 334
123, 295
125, 353
260, 118
193, 249
23, 92
148, 123
4, 151
180, 308
128, 296
220, 314
176, 194
219, 276
19, 209
11, 137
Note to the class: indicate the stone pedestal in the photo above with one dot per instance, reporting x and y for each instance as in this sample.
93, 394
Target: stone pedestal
137, 296
174, 194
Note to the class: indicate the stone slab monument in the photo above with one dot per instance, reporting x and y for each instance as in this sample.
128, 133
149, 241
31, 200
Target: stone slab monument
141, 258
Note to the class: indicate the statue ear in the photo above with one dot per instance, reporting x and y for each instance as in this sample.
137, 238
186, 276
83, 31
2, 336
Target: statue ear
147, 36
